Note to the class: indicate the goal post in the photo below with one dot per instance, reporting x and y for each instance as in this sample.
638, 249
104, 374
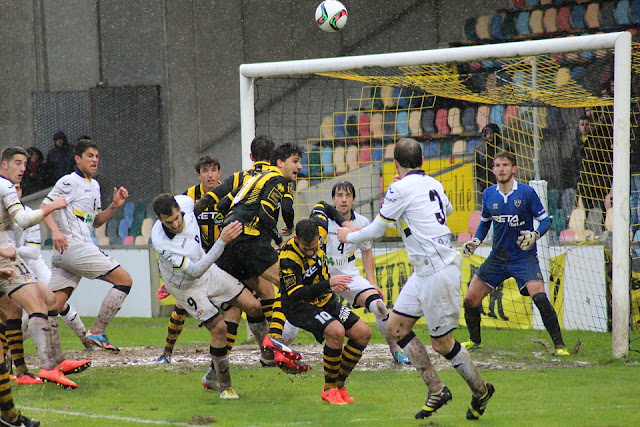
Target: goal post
430, 72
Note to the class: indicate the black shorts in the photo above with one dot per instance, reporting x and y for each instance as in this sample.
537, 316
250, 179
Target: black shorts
315, 319
247, 258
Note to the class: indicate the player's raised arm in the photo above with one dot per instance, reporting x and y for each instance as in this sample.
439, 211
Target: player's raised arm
120, 196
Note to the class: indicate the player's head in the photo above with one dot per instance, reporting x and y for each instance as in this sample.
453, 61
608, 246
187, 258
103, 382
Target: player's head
60, 139
261, 148
504, 166
584, 125
286, 157
14, 163
408, 153
490, 131
168, 212
87, 157
343, 195
307, 237
208, 171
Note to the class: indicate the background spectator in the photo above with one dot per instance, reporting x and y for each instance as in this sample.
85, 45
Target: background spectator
35, 177
484, 158
60, 159
571, 173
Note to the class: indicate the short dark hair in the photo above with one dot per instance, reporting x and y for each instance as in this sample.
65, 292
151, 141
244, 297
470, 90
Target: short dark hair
307, 230
492, 127
506, 155
283, 152
9, 152
83, 145
343, 185
585, 117
34, 150
164, 203
206, 160
408, 153
261, 148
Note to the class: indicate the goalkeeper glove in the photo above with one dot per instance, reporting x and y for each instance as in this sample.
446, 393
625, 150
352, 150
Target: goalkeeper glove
527, 239
470, 247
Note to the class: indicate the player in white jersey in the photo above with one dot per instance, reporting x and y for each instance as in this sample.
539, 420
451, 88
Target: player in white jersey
28, 244
75, 254
24, 288
203, 288
341, 259
419, 206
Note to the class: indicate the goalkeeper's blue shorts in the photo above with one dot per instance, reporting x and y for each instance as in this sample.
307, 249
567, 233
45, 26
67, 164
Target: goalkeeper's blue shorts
494, 272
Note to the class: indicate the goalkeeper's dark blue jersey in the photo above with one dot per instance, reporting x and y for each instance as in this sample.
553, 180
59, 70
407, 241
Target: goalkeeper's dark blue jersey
511, 213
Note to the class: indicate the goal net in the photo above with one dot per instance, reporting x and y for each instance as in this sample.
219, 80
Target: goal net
553, 103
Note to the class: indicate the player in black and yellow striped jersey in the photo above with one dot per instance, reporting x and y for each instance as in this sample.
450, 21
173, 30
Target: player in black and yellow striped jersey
309, 303
208, 172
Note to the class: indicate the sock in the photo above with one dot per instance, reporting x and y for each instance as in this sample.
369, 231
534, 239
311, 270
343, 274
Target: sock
54, 337
377, 307
549, 318
110, 306
331, 360
3, 339
9, 411
232, 333
417, 354
259, 328
289, 333
351, 354
40, 332
462, 363
277, 322
220, 362
73, 321
472, 317
176, 324
267, 307
15, 344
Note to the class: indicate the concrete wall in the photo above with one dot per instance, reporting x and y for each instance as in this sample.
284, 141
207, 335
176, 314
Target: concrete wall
192, 49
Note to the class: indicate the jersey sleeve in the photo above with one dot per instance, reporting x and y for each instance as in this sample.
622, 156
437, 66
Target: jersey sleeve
288, 214
364, 246
393, 206
63, 188
10, 197
177, 261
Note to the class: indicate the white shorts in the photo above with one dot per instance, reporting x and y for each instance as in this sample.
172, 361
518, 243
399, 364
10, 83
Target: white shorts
206, 297
357, 286
78, 261
41, 270
435, 296
22, 276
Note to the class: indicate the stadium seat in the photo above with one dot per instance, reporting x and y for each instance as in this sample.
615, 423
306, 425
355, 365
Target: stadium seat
326, 158
568, 199
389, 125
482, 118
99, 231
607, 15
608, 220
388, 151
567, 236
510, 113
553, 199
622, 13
592, 16
352, 127
315, 160
459, 147
304, 162
595, 221
549, 20
522, 23
536, 22
474, 221
377, 153
532, 3
415, 128
112, 229
364, 126
469, 120
129, 207
326, 128
509, 26
377, 129
402, 124
577, 17
352, 157
482, 27
559, 221
519, 4
104, 241
463, 237
634, 11
128, 240
470, 30
428, 121
147, 226
386, 95
563, 19
454, 120
339, 160
441, 121
364, 155
497, 115
430, 149
141, 241
473, 145
495, 26
545, 2
445, 147
339, 126
123, 228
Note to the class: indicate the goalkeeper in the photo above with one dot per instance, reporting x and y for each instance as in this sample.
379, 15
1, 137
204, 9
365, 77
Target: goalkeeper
511, 206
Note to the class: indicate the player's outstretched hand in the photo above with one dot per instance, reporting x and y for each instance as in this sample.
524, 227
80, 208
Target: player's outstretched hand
60, 242
120, 195
7, 274
59, 203
231, 231
340, 283
470, 247
342, 234
8, 252
527, 239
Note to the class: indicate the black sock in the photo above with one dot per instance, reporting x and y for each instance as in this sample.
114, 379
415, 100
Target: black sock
472, 317
549, 318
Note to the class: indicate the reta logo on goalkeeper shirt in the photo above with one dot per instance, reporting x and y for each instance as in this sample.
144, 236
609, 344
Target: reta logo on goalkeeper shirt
512, 220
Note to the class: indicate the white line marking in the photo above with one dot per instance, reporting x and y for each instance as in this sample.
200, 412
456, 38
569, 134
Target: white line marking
108, 417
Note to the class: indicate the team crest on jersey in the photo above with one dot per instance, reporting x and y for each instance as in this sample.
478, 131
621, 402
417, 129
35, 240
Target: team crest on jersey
495, 206
517, 203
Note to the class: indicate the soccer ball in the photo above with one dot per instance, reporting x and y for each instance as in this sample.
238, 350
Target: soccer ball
331, 16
